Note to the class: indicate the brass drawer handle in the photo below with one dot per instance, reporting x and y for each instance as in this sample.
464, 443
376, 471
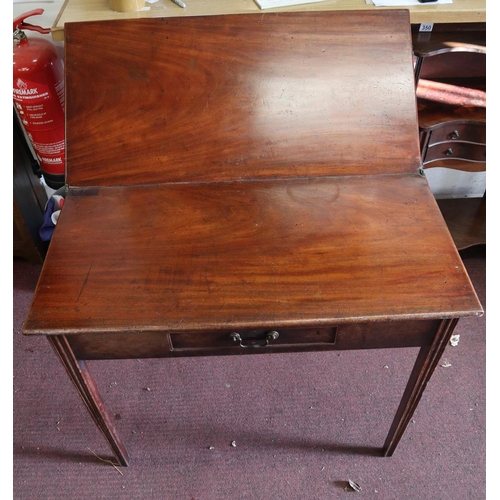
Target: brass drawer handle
254, 344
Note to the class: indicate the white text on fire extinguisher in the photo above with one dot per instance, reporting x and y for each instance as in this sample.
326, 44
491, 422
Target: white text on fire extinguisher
26, 91
29, 94
51, 160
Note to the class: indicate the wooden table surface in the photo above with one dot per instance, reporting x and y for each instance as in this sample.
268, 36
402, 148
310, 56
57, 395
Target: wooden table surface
460, 11
271, 172
314, 251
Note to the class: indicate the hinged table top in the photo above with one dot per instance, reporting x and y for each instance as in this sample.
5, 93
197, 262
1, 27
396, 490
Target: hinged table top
245, 171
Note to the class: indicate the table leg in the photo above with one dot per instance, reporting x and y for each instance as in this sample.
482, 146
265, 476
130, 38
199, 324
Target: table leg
427, 360
87, 389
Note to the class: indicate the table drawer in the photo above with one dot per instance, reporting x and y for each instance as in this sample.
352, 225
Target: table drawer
464, 132
456, 151
254, 340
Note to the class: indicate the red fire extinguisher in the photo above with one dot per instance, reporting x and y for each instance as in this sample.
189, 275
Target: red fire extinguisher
39, 97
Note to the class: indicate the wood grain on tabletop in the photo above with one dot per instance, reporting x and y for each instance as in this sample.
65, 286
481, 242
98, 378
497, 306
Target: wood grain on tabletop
182, 104
275, 253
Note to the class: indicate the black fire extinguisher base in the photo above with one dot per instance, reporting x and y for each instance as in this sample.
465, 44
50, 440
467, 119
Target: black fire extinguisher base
54, 181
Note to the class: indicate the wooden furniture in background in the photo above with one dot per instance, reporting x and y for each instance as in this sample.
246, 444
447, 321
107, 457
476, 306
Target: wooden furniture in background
451, 75
236, 187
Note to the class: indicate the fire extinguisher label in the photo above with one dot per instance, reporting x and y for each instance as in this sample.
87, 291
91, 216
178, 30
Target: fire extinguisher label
41, 112
36, 106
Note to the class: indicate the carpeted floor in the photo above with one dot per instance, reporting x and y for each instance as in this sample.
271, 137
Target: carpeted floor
282, 427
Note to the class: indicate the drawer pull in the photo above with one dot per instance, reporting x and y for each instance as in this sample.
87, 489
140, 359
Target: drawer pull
454, 135
448, 152
254, 344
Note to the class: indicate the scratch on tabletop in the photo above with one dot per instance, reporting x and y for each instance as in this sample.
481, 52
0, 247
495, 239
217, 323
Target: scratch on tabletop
85, 281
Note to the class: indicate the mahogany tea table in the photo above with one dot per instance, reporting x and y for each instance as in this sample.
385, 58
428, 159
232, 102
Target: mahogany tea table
246, 184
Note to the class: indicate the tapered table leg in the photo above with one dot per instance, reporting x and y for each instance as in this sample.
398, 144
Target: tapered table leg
427, 360
87, 389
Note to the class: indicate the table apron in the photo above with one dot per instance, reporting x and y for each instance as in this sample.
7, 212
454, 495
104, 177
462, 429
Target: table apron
162, 344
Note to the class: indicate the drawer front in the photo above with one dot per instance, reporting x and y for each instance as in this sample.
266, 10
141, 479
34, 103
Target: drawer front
464, 132
455, 151
254, 340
